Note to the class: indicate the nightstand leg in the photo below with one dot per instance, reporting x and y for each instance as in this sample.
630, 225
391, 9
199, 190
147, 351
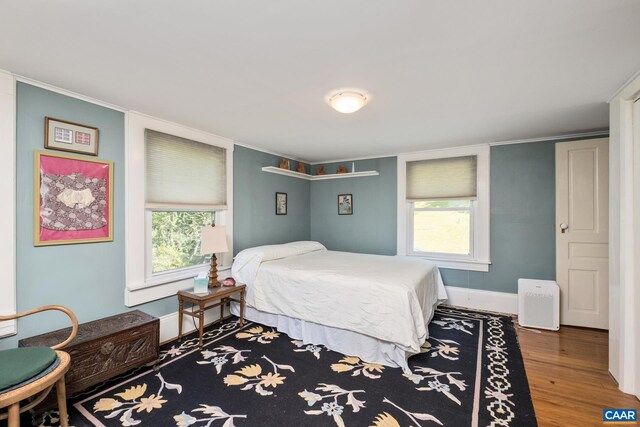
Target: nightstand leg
201, 319
242, 308
222, 303
180, 314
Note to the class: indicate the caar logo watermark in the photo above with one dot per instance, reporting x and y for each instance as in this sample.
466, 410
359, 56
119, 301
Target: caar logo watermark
620, 416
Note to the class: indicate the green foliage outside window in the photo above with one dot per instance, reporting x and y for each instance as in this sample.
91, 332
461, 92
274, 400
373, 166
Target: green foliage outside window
175, 238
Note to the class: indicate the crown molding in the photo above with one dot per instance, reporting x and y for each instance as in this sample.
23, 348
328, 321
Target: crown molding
587, 135
68, 93
273, 153
623, 86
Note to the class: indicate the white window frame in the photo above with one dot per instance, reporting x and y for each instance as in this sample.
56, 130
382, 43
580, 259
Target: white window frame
141, 285
8, 215
479, 260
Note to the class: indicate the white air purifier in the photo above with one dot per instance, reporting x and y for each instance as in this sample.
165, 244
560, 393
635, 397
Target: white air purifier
539, 304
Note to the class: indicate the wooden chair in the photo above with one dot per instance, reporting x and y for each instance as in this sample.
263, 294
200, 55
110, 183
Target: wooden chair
34, 370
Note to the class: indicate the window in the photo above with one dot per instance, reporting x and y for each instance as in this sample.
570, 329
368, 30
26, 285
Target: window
175, 239
441, 227
185, 185
178, 179
443, 207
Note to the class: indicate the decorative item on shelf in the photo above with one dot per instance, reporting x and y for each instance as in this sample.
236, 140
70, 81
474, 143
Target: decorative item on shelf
213, 240
284, 164
68, 136
342, 169
73, 199
320, 170
301, 168
281, 203
229, 281
345, 204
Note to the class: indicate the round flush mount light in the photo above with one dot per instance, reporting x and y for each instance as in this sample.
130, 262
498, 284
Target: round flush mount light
347, 100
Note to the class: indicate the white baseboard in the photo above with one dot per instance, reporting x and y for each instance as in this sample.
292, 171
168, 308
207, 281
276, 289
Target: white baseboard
500, 302
169, 323
8, 327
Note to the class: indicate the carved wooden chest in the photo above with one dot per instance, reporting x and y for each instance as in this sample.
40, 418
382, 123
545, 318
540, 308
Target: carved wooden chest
105, 348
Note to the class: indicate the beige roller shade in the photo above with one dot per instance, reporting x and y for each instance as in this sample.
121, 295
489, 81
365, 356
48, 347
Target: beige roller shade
448, 178
182, 174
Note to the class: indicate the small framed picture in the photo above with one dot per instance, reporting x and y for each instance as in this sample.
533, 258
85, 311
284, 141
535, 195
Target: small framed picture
281, 203
345, 204
68, 136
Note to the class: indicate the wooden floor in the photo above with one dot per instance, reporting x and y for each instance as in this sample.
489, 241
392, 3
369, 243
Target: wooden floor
568, 377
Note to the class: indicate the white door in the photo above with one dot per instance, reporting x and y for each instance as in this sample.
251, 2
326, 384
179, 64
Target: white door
582, 232
636, 184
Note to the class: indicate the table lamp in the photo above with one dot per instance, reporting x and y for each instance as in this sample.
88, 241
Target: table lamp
213, 240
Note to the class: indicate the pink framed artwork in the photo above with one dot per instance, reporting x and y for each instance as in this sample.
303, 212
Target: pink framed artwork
73, 200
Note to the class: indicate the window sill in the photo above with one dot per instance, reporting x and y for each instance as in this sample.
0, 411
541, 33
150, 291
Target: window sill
458, 264
164, 285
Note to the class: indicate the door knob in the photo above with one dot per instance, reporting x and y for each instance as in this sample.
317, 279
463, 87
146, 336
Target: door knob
564, 227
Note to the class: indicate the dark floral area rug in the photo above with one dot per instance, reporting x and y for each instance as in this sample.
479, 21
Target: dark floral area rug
470, 373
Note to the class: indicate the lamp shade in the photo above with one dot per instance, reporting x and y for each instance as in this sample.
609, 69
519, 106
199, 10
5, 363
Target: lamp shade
213, 240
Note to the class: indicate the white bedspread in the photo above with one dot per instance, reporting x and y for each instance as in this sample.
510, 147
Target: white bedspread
388, 298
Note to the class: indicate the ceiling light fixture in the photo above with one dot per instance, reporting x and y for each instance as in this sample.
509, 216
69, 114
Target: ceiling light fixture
347, 101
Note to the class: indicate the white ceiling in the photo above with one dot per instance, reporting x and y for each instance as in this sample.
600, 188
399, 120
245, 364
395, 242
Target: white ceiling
441, 73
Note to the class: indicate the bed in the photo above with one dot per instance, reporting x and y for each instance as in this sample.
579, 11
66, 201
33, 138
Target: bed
371, 306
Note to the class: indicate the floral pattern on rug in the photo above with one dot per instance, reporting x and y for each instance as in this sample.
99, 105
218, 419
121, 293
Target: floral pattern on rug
311, 348
387, 420
441, 382
332, 406
356, 367
469, 369
252, 377
449, 349
258, 334
133, 399
209, 415
221, 355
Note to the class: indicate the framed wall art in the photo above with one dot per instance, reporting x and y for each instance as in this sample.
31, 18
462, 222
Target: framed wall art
73, 200
68, 136
345, 204
281, 203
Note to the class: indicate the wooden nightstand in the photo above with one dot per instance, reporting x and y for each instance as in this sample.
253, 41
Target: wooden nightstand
218, 296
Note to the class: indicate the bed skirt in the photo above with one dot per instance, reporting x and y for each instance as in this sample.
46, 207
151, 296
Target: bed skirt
346, 342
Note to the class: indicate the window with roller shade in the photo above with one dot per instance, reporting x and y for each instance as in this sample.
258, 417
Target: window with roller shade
444, 207
440, 193
185, 185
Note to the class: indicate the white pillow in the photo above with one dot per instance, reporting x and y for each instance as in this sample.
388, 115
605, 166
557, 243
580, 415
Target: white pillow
251, 258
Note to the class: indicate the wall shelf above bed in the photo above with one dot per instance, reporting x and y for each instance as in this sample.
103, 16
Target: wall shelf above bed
294, 174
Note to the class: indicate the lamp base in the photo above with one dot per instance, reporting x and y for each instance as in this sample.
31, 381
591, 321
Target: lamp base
213, 273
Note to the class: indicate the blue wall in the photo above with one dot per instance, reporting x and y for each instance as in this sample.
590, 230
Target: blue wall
88, 278
254, 220
522, 219
522, 215
372, 227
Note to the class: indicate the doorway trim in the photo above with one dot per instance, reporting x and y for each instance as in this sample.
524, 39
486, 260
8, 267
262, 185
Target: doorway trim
8, 188
624, 242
